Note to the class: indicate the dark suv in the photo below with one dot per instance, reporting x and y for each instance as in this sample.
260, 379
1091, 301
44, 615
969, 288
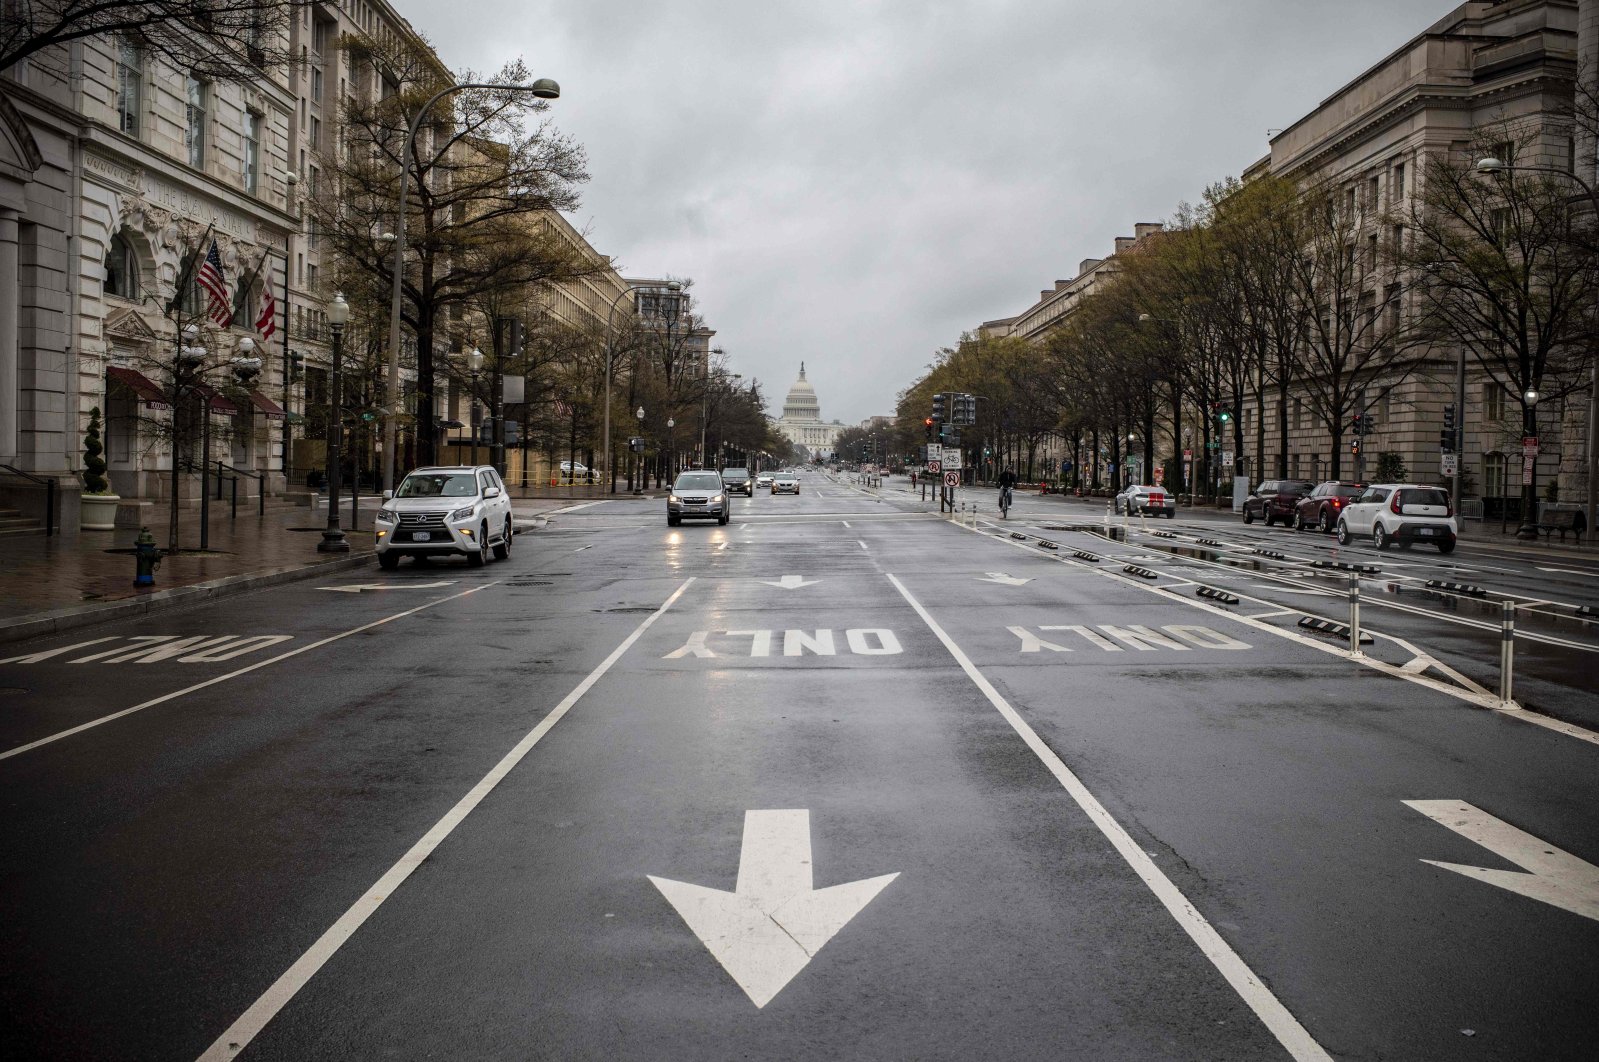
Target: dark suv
738, 481
1275, 500
1321, 509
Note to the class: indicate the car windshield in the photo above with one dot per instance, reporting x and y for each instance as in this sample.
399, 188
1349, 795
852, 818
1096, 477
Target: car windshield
438, 485
735, 473
698, 481
1347, 490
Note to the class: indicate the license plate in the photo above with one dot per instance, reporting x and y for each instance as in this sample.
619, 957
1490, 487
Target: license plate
421, 536
1425, 531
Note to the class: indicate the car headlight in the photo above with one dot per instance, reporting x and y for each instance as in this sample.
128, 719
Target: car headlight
464, 514
388, 516
719, 499
674, 499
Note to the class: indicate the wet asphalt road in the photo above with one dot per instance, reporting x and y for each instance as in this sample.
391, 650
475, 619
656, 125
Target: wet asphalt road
463, 816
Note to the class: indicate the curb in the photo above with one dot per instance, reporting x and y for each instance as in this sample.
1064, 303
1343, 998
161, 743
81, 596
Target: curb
176, 597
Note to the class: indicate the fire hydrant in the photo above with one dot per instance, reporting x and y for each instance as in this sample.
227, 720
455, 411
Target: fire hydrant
146, 558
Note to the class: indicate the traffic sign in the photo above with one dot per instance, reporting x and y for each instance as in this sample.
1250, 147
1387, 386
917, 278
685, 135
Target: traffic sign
952, 459
934, 466
1226, 457
1449, 464
1529, 445
952, 479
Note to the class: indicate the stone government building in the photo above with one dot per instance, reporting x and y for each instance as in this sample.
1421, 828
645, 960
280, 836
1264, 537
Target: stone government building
801, 422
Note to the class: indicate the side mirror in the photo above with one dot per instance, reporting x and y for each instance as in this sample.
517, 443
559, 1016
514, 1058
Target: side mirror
492, 492
387, 495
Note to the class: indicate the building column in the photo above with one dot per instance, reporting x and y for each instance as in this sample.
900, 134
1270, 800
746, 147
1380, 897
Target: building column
10, 347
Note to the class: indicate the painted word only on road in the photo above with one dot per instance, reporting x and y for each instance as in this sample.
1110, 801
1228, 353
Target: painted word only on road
1173, 637
861, 641
155, 649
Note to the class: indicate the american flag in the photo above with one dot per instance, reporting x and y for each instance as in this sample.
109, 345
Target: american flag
266, 321
209, 276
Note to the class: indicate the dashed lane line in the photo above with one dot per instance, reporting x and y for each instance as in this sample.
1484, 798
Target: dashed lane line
1296, 1040
81, 727
249, 1024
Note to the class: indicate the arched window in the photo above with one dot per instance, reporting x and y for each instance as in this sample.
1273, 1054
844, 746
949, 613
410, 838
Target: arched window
121, 269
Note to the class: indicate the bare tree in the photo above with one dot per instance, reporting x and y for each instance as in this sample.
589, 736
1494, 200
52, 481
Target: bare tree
208, 37
479, 183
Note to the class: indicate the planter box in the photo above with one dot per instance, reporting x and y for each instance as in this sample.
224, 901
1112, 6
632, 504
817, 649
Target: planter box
98, 512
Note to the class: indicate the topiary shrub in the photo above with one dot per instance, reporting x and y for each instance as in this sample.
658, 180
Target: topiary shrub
94, 481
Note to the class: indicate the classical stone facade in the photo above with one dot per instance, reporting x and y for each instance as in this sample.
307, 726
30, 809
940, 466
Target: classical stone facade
802, 422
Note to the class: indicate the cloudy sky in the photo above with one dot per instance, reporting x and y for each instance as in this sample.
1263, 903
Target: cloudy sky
853, 183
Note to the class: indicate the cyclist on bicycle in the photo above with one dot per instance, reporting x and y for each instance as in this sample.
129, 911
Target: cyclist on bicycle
1007, 484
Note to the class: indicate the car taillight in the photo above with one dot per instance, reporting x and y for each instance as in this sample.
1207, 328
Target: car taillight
1393, 504
1338, 503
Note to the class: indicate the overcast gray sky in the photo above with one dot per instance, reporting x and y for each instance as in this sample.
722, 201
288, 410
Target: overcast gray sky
853, 184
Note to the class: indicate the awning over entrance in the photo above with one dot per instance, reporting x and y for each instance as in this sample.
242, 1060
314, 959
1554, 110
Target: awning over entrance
139, 384
268, 408
220, 403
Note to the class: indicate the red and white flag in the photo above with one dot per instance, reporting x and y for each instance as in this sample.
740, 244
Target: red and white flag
266, 321
210, 277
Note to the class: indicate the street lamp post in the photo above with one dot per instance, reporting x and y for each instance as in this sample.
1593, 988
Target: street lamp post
474, 365
638, 484
544, 89
671, 448
1491, 165
332, 537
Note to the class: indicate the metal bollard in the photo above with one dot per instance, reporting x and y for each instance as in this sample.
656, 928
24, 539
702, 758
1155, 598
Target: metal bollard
1507, 654
1354, 615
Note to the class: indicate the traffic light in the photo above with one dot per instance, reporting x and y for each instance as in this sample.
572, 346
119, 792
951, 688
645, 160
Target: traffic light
1357, 425
963, 409
1223, 415
1368, 424
929, 426
1354, 446
1446, 438
940, 408
296, 364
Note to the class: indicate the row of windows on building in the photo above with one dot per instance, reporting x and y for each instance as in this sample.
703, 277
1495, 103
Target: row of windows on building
197, 102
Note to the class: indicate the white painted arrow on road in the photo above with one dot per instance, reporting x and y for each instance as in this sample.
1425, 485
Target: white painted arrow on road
791, 582
773, 923
1553, 876
1001, 577
356, 588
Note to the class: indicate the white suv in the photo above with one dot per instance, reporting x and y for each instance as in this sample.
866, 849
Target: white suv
1400, 512
456, 509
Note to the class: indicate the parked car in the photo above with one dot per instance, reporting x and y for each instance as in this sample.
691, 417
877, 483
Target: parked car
1320, 508
575, 472
785, 483
440, 511
1405, 513
1146, 499
738, 481
696, 496
763, 480
1276, 499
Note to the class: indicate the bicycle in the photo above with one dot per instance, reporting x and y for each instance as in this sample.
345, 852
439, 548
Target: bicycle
1004, 502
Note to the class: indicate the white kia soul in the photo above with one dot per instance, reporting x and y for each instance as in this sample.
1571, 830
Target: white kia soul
1400, 512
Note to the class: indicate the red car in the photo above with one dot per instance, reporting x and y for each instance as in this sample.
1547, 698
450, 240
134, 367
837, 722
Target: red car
1320, 510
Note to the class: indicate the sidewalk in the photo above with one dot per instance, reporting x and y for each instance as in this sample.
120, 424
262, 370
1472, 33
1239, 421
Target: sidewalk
53, 584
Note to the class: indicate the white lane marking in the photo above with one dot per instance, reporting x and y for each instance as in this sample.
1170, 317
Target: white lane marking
1276, 1017
790, 582
770, 926
573, 508
1273, 612
36, 658
81, 727
356, 588
249, 1024
580, 549
1553, 876
1567, 571
1001, 577
862, 544
844, 522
